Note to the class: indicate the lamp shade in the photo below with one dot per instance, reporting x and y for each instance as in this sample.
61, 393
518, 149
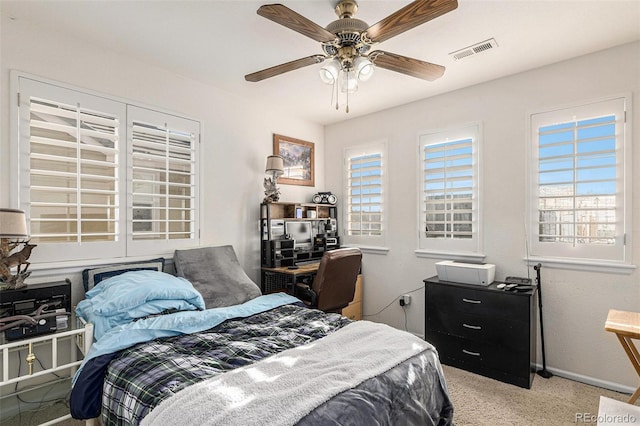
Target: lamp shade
329, 72
13, 223
363, 67
275, 165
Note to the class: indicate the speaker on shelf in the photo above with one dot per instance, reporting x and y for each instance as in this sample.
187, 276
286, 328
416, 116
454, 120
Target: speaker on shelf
324, 198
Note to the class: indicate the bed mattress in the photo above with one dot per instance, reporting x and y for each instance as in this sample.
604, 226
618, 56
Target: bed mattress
139, 378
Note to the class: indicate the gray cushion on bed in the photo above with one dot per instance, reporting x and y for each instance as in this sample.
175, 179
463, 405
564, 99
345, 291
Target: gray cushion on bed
216, 273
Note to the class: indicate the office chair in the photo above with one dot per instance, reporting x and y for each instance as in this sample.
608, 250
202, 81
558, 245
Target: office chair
334, 284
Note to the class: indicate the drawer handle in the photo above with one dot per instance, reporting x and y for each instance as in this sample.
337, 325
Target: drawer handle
471, 353
473, 327
471, 301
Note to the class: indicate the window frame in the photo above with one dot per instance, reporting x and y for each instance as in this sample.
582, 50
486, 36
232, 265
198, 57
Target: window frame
50, 254
374, 242
618, 257
454, 249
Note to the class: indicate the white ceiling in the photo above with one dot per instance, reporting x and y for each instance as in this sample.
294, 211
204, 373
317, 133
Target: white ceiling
218, 42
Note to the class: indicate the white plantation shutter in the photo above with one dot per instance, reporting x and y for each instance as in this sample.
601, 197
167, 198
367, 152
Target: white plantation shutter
70, 179
94, 187
364, 204
163, 176
73, 191
578, 182
449, 190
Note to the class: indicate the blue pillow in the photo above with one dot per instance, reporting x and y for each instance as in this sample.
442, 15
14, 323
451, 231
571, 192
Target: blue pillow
136, 294
92, 277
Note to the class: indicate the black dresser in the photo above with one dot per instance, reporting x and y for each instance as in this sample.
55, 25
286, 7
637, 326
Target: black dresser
484, 330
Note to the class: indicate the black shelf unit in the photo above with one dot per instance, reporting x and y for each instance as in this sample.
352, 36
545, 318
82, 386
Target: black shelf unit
278, 251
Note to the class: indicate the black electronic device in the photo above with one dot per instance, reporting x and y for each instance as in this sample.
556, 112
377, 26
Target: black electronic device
521, 288
277, 253
518, 280
322, 242
330, 228
324, 198
24, 301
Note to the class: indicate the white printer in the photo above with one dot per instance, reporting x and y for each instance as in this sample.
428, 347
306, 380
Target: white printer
467, 273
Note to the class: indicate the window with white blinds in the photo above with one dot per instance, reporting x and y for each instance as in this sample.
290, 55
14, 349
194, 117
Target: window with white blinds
73, 173
163, 177
364, 204
578, 182
90, 187
449, 190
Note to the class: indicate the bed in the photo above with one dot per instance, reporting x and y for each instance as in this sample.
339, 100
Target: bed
162, 355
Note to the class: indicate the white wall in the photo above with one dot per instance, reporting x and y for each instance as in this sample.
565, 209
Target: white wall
575, 302
237, 133
237, 139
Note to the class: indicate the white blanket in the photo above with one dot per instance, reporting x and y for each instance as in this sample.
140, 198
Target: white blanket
282, 389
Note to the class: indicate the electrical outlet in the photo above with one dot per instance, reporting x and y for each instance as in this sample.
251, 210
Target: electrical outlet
405, 299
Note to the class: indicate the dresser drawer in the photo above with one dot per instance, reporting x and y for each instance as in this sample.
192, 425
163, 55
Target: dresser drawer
496, 304
480, 356
510, 334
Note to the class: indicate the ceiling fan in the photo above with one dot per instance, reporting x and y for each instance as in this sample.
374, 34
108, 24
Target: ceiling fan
347, 42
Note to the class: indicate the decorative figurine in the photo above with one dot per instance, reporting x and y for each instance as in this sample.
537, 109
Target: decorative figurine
274, 168
9, 260
271, 191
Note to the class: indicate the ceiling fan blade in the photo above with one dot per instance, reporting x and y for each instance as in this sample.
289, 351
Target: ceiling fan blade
282, 68
293, 20
406, 65
410, 16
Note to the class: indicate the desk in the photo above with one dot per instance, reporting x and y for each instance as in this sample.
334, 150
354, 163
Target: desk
289, 276
626, 325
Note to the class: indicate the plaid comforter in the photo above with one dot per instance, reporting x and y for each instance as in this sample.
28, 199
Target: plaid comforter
141, 377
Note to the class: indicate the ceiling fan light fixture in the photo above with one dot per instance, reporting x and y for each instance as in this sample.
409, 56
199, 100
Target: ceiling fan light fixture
346, 43
363, 68
349, 82
329, 72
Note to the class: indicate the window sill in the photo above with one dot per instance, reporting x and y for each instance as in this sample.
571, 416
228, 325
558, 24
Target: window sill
582, 265
457, 256
369, 249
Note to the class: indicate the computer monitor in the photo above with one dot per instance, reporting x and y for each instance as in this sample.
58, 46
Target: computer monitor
300, 233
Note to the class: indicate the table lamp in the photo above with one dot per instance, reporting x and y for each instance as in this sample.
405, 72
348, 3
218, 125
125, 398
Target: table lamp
274, 168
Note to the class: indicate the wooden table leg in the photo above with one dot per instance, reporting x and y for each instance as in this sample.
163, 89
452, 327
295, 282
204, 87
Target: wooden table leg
634, 357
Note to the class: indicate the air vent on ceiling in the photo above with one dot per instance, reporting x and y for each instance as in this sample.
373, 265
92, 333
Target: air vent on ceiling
477, 48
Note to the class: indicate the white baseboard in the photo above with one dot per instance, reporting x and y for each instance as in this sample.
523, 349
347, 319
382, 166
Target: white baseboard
589, 380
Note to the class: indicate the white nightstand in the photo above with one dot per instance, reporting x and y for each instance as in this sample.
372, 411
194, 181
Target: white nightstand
49, 347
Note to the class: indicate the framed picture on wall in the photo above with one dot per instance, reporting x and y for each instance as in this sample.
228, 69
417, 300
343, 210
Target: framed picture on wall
298, 159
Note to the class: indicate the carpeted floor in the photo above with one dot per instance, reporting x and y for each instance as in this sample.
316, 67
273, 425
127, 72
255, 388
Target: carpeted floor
480, 401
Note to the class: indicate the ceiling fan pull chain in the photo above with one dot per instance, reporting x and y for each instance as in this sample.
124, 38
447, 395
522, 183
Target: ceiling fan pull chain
347, 110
